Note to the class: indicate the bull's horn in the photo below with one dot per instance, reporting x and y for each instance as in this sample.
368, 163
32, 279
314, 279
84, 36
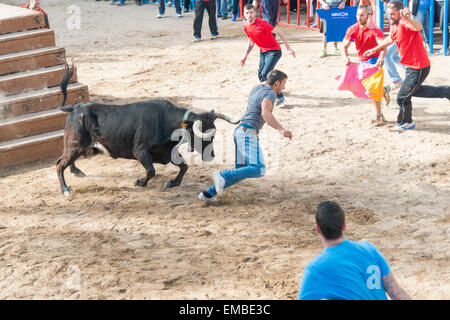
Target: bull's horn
199, 133
226, 118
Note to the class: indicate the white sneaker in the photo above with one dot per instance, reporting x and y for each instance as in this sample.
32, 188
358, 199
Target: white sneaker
202, 197
219, 182
160, 15
179, 15
398, 127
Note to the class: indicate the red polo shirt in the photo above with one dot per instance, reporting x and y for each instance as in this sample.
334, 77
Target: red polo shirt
364, 39
260, 33
410, 45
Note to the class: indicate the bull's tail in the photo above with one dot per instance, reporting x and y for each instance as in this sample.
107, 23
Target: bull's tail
68, 73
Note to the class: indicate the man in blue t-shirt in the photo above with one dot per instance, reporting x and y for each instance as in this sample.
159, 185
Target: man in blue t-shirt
346, 270
249, 160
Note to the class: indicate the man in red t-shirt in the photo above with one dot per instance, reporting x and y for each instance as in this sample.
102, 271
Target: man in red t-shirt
405, 31
36, 6
260, 32
366, 36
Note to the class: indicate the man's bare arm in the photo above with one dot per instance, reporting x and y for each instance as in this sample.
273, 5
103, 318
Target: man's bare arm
393, 289
384, 44
249, 49
266, 113
346, 45
278, 32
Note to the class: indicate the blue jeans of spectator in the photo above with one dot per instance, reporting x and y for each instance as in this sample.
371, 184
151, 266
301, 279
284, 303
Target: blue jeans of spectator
423, 16
267, 62
249, 160
392, 58
235, 7
162, 6
269, 10
223, 7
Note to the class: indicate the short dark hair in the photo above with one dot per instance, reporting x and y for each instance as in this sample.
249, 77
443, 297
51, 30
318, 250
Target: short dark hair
367, 7
274, 76
397, 5
249, 6
331, 219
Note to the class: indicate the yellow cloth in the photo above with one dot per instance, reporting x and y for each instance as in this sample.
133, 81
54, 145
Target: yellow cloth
374, 85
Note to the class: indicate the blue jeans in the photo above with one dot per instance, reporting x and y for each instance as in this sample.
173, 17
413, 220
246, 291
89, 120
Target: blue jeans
269, 10
249, 160
162, 6
423, 16
222, 7
267, 62
391, 59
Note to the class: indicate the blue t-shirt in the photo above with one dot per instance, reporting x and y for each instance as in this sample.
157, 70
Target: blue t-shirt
252, 116
348, 271
424, 4
338, 21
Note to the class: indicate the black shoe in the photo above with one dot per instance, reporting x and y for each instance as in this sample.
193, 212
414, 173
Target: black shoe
138, 2
224, 17
185, 10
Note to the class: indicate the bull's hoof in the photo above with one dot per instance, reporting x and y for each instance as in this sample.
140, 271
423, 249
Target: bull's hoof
169, 184
78, 173
141, 182
67, 192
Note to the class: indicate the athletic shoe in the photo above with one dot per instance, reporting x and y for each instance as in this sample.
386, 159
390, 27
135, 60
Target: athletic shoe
409, 126
336, 51
224, 17
214, 36
233, 17
202, 197
185, 10
219, 182
323, 54
279, 101
160, 15
179, 15
196, 39
398, 127
386, 97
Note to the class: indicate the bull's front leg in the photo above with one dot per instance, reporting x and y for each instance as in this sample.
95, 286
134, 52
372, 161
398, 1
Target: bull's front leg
183, 168
144, 157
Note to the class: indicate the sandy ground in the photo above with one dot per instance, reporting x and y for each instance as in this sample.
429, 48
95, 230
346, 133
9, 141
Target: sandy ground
113, 240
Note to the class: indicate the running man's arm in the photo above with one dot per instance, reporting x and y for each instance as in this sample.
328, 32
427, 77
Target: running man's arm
346, 45
266, 113
384, 44
406, 14
393, 289
283, 37
249, 49
380, 61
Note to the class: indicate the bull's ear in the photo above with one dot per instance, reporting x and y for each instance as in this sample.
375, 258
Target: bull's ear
212, 114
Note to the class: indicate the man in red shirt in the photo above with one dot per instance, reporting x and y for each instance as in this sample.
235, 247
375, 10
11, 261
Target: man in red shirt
36, 6
366, 36
405, 31
260, 32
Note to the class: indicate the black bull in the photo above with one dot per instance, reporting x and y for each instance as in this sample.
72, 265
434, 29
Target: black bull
149, 132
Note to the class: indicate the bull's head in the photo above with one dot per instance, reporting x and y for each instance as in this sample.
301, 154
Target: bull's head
204, 131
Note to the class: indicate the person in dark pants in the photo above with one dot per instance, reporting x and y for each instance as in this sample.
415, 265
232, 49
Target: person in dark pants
200, 6
405, 31
269, 10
